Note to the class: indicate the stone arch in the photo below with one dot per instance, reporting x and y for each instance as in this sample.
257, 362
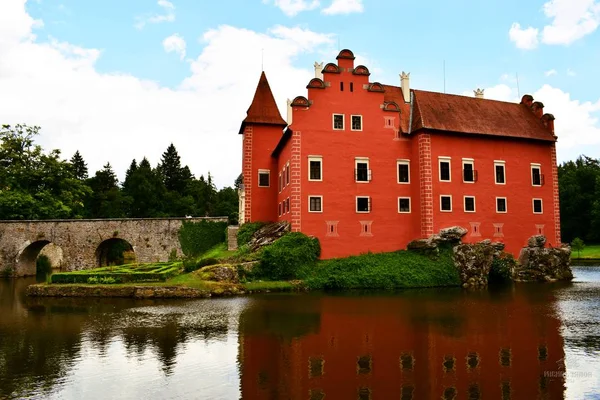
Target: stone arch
115, 251
25, 264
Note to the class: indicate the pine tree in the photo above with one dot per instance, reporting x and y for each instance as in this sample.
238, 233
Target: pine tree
106, 200
79, 166
175, 177
146, 192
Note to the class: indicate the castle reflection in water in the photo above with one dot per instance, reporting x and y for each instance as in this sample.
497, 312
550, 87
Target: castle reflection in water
449, 345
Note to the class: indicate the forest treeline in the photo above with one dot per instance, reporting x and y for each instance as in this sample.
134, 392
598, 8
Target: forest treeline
35, 184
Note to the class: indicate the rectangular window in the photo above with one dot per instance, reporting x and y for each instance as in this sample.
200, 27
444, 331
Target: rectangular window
363, 204
536, 175
499, 169
468, 170
338, 122
356, 122
315, 203
279, 209
537, 206
351, 86
280, 185
404, 204
263, 177
403, 171
362, 173
341, 86
315, 168
444, 169
445, 203
500, 204
287, 204
469, 204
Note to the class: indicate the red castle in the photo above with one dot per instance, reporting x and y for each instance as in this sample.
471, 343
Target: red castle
365, 166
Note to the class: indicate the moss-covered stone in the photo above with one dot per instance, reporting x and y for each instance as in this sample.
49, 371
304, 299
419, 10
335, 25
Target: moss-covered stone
219, 273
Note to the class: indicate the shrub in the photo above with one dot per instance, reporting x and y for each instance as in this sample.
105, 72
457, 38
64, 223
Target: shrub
193, 265
247, 230
288, 255
43, 266
198, 237
502, 268
158, 272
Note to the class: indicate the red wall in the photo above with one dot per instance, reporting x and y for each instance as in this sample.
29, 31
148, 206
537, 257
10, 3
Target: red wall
519, 221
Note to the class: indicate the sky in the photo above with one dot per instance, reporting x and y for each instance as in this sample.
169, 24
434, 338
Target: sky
119, 80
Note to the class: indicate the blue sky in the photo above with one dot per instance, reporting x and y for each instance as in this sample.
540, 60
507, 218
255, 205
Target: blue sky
121, 79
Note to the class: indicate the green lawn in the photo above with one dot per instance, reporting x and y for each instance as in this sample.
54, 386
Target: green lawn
590, 251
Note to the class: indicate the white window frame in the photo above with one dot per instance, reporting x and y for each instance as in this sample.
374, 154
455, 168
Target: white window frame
409, 205
465, 204
472, 163
446, 195
361, 123
264, 171
368, 205
505, 205
288, 176
280, 183
442, 159
343, 122
320, 160
503, 164
287, 205
279, 207
315, 197
541, 205
402, 162
362, 160
539, 167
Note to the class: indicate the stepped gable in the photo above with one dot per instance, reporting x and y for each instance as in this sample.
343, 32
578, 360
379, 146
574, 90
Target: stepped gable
462, 114
263, 109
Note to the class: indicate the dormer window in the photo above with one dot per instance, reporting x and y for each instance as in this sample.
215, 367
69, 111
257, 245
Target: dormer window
338, 122
357, 122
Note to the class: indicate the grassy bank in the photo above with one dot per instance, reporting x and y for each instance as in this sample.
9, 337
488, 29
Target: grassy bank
401, 269
591, 251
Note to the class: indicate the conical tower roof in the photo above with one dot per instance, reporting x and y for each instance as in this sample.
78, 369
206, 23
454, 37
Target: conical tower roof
263, 109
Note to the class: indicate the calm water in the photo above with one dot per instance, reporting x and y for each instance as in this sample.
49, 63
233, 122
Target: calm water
527, 342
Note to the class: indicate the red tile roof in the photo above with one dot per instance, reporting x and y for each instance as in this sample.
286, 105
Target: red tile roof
461, 114
263, 109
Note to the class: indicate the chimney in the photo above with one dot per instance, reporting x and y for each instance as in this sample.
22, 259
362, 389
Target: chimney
548, 120
405, 84
478, 93
527, 100
318, 70
538, 109
289, 112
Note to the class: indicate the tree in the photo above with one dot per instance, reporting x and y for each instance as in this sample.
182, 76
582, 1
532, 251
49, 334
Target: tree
35, 184
146, 191
79, 166
578, 245
174, 176
106, 201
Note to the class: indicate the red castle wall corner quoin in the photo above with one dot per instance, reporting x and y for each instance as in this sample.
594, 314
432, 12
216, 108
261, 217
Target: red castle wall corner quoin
338, 158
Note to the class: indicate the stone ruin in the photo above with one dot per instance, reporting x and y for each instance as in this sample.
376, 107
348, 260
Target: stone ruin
536, 263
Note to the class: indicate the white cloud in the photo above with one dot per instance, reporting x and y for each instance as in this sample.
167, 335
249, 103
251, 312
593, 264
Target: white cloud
577, 123
168, 15
551, 72
526, 39
344, 7
116, 117
175, 44
293, 7
572, 20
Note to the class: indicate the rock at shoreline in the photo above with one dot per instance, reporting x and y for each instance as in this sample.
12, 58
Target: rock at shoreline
536, 241
539, 264
474, 262
453, 234
268, 234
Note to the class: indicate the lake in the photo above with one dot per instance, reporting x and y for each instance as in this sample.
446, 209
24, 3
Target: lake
527, 341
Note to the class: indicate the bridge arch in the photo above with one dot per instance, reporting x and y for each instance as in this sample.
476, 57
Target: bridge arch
115, 251
26, 259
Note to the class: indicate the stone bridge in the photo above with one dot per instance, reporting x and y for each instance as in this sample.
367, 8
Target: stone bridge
83, 244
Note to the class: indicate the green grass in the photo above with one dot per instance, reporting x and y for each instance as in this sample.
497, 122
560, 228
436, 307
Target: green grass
401, 269
281, 286
219, 252
590, 251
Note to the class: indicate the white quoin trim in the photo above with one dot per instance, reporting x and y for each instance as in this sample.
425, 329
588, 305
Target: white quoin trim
289, 112
405, 84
